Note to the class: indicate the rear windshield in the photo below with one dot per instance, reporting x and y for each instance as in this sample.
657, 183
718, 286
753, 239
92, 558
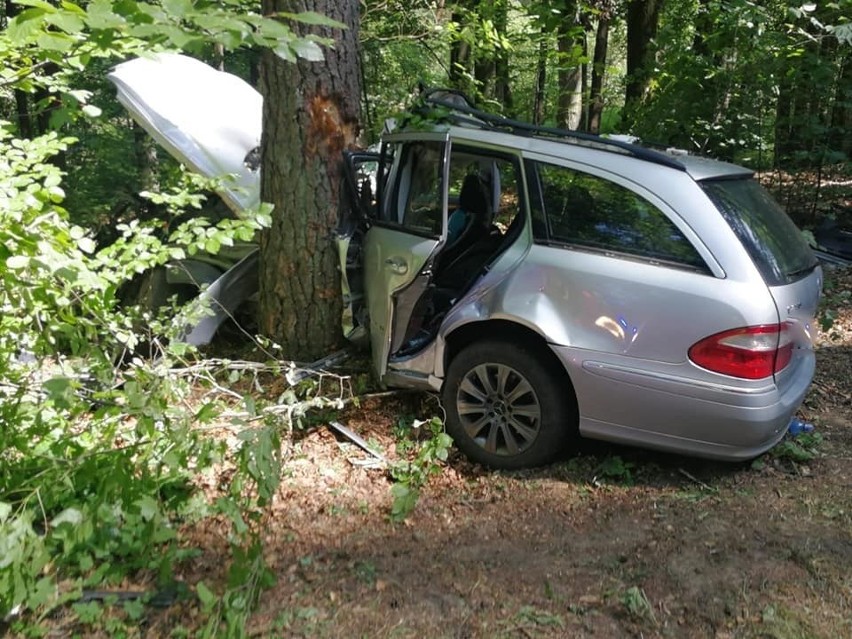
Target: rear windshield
774, 242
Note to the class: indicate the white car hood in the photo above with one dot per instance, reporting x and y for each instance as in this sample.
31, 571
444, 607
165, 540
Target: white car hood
207, 119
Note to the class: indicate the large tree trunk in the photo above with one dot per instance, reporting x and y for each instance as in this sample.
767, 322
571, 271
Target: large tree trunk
310, 115
642, 21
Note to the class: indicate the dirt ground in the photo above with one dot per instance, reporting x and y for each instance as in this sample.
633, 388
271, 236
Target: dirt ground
611, 542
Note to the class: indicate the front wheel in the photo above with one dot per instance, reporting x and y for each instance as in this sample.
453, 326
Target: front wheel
508, 405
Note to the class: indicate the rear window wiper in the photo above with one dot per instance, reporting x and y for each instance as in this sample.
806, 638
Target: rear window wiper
802, 271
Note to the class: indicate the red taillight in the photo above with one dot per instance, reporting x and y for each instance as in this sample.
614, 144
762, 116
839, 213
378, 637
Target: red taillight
753, 352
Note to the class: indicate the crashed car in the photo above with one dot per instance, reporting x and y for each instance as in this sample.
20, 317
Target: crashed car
550, 283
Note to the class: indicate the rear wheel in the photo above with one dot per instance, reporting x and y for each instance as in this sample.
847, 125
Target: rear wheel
508, 405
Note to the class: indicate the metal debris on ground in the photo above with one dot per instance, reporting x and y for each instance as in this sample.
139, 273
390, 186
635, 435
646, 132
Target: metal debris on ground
296, 374
361, 443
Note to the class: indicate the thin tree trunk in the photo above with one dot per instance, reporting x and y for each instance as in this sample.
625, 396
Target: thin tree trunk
584, 87
460, 57
540, 78
784, 121
841, 112
502, 80
22, 114
22, 101
568, 40
310, 115
598, 71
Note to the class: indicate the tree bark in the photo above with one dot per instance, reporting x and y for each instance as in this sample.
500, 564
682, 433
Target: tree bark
841, 112
502, 79
460, 56
311, 113
540, 77
642, 21
569, 40
598, 71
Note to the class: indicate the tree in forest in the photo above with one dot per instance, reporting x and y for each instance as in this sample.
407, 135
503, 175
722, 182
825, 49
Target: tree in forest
642, 22
571, 43
605, 10
311, 114
479, 51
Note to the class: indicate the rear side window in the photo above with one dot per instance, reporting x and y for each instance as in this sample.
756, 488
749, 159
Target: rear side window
587, 211
775, 244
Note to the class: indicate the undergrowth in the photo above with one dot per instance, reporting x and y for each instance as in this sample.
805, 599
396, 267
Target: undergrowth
102, 461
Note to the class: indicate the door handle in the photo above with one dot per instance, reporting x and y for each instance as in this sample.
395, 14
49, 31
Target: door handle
397, 265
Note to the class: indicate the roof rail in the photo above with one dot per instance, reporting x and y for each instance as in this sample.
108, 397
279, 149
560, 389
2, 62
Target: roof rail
462, 112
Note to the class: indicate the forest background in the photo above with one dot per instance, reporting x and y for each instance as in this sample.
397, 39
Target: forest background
101, 464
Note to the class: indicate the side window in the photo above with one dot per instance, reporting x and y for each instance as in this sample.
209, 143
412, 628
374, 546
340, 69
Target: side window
417, 203
588, 211
498, 179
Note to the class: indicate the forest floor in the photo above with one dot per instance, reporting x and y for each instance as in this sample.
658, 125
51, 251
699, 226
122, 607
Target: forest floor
610, 542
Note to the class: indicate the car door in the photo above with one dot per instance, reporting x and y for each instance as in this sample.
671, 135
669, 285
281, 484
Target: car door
401, 243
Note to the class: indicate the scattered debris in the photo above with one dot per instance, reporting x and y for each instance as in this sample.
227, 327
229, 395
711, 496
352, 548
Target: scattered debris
297, 374
695, 479
357, 440
798, 426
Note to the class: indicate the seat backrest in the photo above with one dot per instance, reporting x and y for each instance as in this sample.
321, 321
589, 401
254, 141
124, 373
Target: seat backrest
474, 201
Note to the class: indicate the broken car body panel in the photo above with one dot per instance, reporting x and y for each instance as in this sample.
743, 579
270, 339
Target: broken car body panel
207, 119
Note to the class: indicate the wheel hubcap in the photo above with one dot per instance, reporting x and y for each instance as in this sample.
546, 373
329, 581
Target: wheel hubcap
499, 409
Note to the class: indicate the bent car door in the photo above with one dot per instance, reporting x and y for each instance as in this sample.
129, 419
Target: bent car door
402, 242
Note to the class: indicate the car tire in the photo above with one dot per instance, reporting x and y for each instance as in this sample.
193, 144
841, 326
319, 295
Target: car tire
508, 405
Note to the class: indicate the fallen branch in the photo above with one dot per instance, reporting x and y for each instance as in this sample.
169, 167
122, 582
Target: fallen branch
692, 477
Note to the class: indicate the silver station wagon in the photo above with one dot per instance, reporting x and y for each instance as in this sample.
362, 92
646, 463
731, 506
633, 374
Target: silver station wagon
551, 284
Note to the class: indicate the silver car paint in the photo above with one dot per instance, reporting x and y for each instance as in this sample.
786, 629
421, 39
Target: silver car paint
622, 327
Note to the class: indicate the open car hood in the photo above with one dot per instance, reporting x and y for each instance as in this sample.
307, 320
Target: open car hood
208, 119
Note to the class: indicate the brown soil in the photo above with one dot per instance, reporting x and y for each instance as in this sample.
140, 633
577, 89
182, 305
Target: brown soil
673, 547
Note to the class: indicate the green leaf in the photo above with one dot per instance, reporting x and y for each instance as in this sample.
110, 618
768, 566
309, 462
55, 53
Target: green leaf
86, 244
5, 510
100, 15
70, 23
68, 516
55, 42
206, 413
206, 596
92, 111
284, 52
18, 262
148, 507
25, 26
40, 4
81, 95
307, 50
72, 8
179, 8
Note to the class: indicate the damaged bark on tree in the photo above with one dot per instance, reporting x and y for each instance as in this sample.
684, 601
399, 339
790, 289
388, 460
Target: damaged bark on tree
311, 113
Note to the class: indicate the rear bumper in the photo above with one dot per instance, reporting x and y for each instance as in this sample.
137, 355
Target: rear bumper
676, 414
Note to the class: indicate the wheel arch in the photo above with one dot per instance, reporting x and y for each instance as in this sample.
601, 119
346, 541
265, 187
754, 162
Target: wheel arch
524, 355
501, 329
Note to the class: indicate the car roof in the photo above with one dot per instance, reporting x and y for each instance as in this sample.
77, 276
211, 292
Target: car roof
702, 168
467, 122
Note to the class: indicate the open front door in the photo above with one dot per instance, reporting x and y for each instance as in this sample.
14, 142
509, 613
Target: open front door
401, 243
